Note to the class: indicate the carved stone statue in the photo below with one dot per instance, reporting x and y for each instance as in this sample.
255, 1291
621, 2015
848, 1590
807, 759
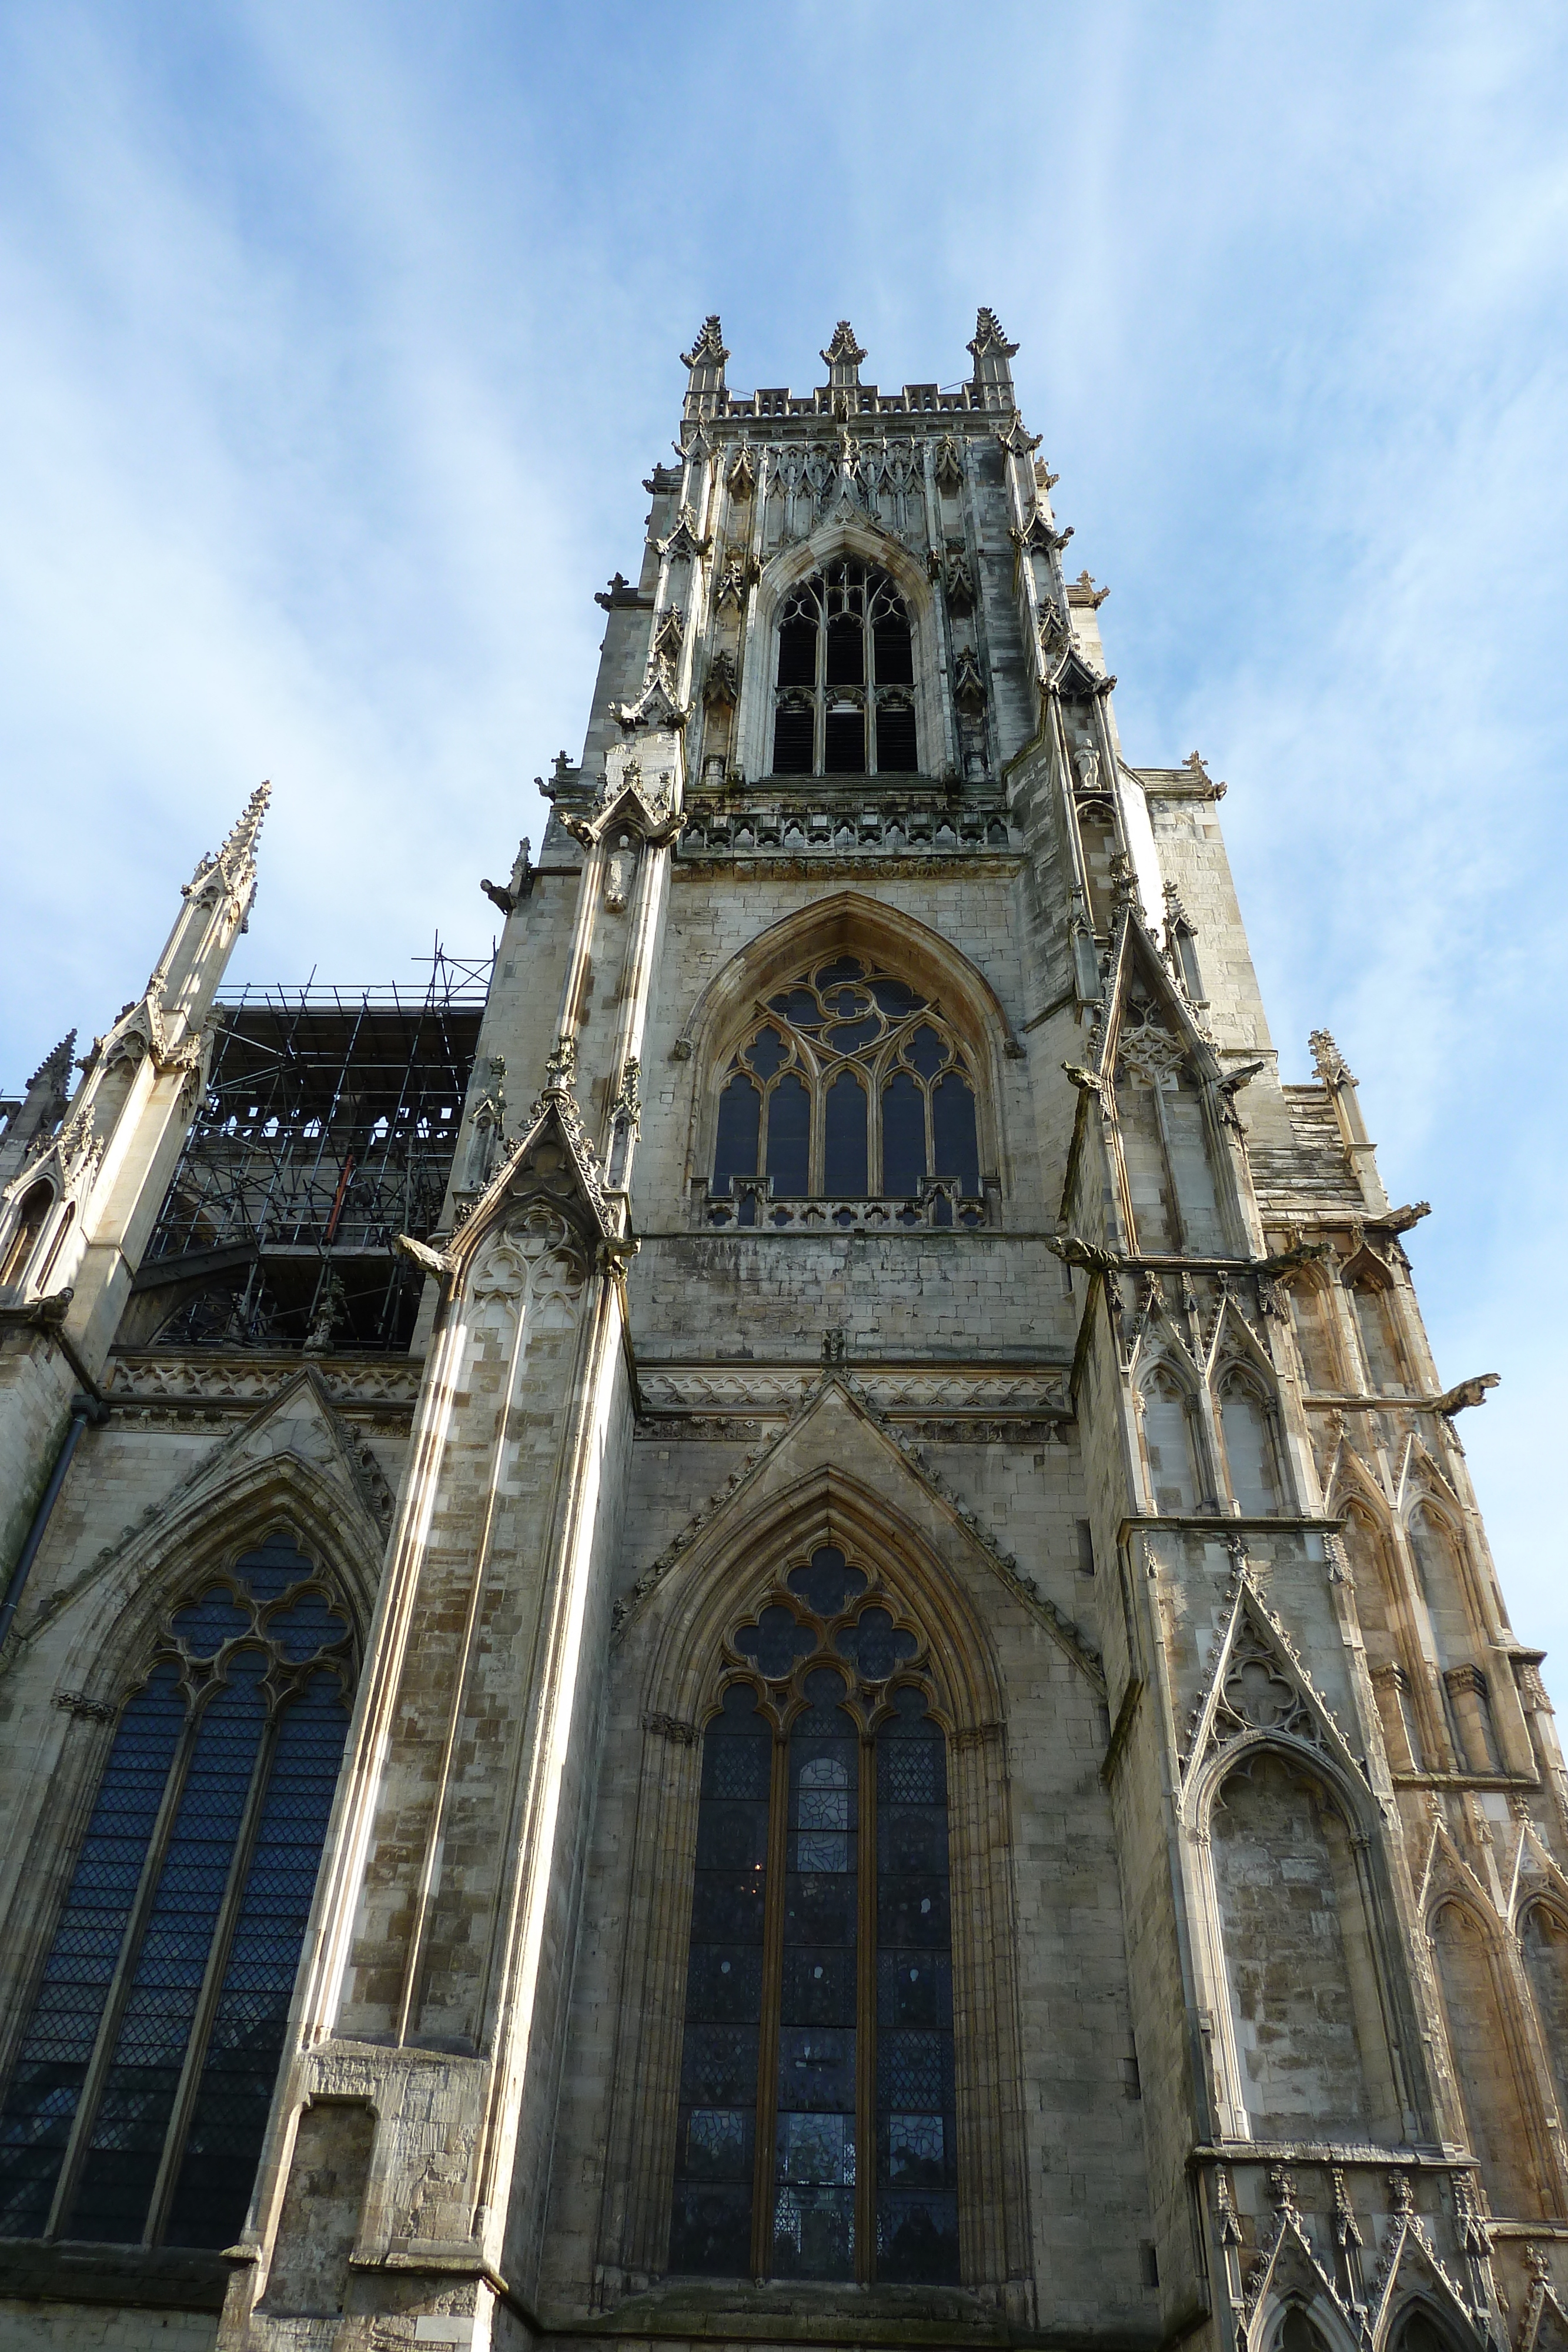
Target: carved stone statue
618, 868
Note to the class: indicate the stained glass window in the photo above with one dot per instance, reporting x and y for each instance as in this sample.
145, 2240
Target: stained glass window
136, 2108
817, 2132
850, 1085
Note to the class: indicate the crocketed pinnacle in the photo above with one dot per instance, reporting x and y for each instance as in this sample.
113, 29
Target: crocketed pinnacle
58, 1065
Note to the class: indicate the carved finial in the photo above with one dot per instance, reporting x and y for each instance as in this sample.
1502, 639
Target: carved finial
1329, 1064
1084, 592
708, 350
987, 338
844, 346
1195, 761
844, 356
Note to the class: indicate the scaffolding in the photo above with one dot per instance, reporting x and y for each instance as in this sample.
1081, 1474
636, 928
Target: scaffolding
328, 1128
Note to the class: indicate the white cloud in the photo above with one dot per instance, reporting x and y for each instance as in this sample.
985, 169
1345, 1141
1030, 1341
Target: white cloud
335, 347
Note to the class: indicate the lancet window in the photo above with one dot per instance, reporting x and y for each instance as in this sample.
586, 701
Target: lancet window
845, 703
37, 1203
137, 2102
817, 2128
849, 1084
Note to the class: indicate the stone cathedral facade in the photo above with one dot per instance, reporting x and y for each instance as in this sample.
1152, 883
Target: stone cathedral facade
781, 1638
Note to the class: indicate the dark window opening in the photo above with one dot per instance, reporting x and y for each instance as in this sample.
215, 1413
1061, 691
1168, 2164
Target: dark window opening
739, 1129
844, 743
845, 626
794, 737
895, 740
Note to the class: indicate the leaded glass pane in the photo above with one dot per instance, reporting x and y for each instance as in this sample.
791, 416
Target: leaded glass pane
209, 1622
953, 1134
814, 2154
716, 2147
902, 1134
827, 1583
789, 1135
844, 1160
776, 1640
41, 2101
916, 2175
739, 1126
128, 2131
224, 2141
876, 1644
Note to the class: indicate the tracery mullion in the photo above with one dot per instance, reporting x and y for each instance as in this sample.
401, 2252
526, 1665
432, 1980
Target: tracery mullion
195, 2056
113, 2012
769, 2009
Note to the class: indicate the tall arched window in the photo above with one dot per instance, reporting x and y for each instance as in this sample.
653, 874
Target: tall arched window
1375, 1322
1306, 2013
1486, 2073
136, 2107
1543, 1941
1174, 1479
845, 703
849, 1085
1245, 1426
37, 1203
817, 2127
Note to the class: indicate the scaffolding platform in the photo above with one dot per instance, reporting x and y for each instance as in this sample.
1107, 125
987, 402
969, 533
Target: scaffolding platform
328, 1128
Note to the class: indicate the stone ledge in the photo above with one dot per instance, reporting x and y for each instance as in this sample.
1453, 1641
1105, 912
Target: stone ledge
172, 2278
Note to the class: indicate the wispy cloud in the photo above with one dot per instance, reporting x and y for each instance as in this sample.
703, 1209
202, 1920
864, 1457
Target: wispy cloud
336, 346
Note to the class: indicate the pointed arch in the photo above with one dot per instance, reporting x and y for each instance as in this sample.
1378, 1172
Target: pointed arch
1314, 1328
163, 1909
1542, 1927
1246, 1411
1170, 1426
849, 922
856, 536
676, 1649
1492, 2077
1302, 1952
1370, 1284
1397, 1689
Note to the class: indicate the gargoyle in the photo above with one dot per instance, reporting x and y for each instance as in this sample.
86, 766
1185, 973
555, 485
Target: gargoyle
1288, 1260
431, 1261
1468, 1392
1074, 1250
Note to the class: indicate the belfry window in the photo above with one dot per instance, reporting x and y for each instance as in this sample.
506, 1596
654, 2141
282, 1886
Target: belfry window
845, 703
137, 2104
848, 1085
817, 2118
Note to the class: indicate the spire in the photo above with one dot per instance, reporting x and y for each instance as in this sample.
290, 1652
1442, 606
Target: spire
993, 378
705, 391
56, 1068
240, 841
236, 861
844, 356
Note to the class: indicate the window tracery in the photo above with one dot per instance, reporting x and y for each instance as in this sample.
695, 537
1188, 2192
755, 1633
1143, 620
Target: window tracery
849, 1085
844, 701
816, 2124
139, 2093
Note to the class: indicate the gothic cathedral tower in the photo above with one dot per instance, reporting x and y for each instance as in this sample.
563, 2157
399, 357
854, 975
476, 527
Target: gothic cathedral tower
832, 1539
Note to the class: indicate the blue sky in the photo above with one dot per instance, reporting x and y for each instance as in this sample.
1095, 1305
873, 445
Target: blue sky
334, 342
